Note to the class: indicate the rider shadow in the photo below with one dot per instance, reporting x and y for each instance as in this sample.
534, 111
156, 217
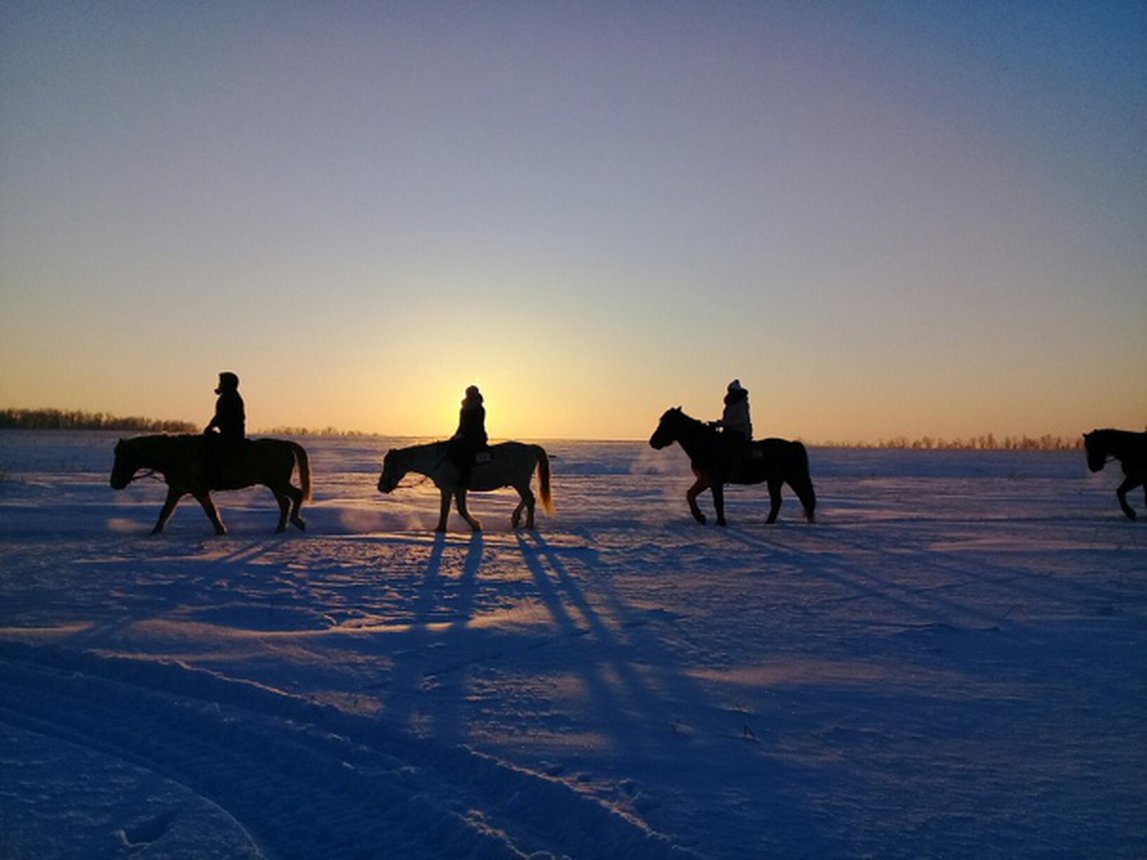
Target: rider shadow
442, 612
620, 693
640, 696
457, 642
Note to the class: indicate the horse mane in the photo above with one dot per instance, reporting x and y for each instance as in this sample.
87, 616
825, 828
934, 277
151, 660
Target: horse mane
164, 440
695, 423
1110, 434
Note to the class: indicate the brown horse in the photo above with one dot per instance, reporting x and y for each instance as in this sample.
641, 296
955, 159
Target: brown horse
1128, 448
509, 464
190, 465
772, 461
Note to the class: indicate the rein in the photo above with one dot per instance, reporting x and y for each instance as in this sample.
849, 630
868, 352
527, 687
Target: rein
424, 472
422, 479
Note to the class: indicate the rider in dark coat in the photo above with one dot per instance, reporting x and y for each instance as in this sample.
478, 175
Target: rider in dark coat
228, 428
230, 420
736, 427
470, 438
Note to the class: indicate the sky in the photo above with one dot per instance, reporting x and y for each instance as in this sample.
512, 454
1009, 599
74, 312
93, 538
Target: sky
885, 219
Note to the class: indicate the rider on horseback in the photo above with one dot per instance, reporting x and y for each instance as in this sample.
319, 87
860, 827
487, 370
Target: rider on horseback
227, 430
736, 427
470, 438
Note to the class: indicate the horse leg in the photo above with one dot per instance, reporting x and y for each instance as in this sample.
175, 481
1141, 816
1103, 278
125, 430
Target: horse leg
719, 501
204, 499
774, 500
699, 486
460, 497
296, 497
528, 503
173, 497
1121, 493
284, 509
290, 499
443, 511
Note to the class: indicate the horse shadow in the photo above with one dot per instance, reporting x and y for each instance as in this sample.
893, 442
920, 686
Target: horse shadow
435, 628
639, 694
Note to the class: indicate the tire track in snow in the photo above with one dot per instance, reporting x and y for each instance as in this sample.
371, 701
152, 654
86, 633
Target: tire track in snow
303, 779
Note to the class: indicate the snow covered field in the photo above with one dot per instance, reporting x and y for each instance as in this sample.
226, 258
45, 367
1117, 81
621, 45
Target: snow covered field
952, 662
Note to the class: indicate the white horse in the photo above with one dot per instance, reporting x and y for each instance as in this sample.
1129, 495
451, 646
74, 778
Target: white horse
509, 464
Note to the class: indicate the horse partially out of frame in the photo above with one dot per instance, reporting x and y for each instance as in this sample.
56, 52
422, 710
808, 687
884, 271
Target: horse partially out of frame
1130, 449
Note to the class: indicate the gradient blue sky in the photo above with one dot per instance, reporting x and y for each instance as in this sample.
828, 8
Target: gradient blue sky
898, 218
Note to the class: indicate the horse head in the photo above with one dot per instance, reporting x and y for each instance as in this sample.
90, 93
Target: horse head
393, 471
125, 466
1096, 450
666, 432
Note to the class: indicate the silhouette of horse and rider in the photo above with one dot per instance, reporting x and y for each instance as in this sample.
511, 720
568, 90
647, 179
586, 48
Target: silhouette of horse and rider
723, 452
221, 458
468, 462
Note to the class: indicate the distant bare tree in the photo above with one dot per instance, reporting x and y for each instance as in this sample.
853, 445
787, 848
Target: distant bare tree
60, 419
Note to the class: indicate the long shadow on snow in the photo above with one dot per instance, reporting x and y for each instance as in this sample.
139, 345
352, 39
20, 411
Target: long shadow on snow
631, 708
410, 675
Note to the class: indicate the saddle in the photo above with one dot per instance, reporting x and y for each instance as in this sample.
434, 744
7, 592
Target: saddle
224, 458
741, 463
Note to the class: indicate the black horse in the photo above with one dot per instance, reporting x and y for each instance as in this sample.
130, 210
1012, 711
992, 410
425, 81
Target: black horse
186, 465
1127, 447
775, 461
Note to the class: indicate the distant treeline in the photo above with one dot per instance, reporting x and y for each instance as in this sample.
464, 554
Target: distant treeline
63, 419
977, 443
313, 431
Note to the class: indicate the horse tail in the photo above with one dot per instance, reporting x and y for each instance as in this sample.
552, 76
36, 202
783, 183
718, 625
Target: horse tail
544, 478
304, 469
801, 481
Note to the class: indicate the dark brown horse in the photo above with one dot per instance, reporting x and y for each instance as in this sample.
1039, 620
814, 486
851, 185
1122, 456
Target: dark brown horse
1128, 448
192, 465
772, 461
509, 464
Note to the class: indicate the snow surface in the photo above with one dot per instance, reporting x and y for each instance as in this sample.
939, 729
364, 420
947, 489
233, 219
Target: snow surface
952, 662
